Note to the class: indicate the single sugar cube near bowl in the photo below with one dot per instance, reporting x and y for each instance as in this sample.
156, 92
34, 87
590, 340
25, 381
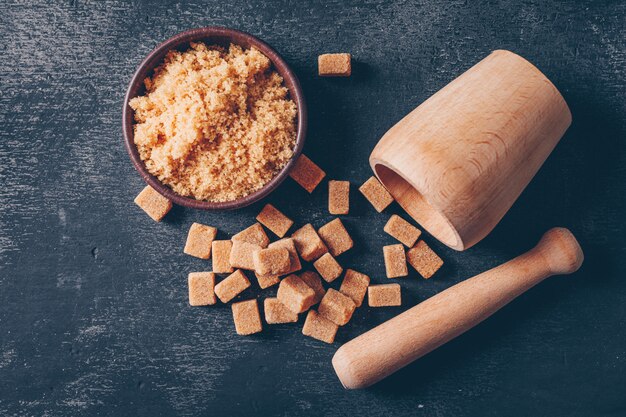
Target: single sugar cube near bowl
271, 261
220, 256
334, 65
199, 240
395, 261
328, 267
295, 294
385, 295
276, 312
319, 328
201, 288
231, 286
154, 204
288, 243
274, 220
355, 285
424, 259
266, 281
247, 318
402, 230
313, 280
308, 243
306, 173
336, 237
376, 194
253, 234
338, 197
242, 254
336, 307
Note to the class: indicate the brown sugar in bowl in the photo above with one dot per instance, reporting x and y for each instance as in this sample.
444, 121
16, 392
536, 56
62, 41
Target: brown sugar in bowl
212, 35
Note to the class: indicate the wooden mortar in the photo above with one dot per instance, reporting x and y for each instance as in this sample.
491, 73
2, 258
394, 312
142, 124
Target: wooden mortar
459, 161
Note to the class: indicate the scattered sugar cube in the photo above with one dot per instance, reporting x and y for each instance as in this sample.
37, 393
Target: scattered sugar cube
328, 267
336, 307
274, 220
294, 259
220, 250
201, 288
334, 65
247, 318
253, 234
199, 240
424, 260
354, 285
306, 173
402, 230
154, 204
336, 237
308, 243
313, 280
276, 312
376, 194
319, 328
395, 261
384, 295
295, 294
242, 254
266, 281
231, 286
338, 197
271, 261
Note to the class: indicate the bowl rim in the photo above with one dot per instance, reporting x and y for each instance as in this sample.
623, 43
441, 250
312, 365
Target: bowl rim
155, 57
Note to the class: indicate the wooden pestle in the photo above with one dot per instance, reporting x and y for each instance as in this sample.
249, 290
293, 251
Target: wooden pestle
394, 344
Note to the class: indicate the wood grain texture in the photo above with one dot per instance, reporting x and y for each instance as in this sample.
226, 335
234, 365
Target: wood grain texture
93, 304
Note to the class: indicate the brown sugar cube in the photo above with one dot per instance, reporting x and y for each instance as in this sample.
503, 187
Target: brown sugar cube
395, 261
308, 243
247, 318
201, 288
402, 230
276, 312
336, 307
295, 294
328, 267
306, 173
220, 255
319, 328
294, 259
338, 197
271, 261
385, 295
242, 254
354, 285
266, 281
334, 65
424, 260
336, 237
376, 194
199, 240
231, 286
313, 280
154, 204
274, 220
253, 234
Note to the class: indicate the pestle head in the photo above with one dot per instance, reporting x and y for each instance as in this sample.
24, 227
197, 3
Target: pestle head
561, 251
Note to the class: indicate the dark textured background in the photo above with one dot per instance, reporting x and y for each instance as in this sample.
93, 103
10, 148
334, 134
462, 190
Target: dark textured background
93, 299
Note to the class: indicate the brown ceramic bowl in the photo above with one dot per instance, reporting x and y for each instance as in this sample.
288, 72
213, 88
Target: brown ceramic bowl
211, 35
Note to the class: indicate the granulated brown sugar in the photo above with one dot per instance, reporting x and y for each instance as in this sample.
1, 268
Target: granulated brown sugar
215, 124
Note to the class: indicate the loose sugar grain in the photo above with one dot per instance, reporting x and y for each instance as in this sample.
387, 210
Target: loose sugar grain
336, 307
338, 197
336, 237
220, 255
201, 288
274, 220
199, 240
355, 285
306, 173
154, 204
295, 294
253, 234
231, 286
376, 194
328, 267
308, 243
385, 295
402, 230
395, 261
319, 328
247, 318
424, 259
276, 312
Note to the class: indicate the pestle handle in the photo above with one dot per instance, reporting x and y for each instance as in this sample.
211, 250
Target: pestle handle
394, 344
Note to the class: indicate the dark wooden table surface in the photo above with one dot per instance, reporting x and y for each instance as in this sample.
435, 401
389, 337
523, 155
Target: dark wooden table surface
94, 318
